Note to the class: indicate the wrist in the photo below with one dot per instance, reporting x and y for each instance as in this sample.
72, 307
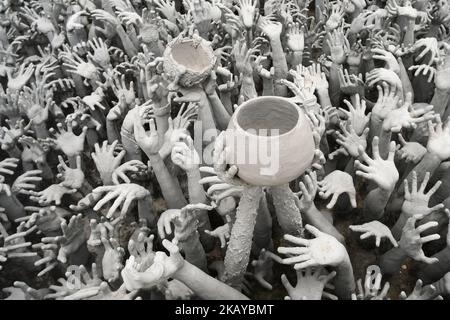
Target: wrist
432, 157
106, 178
192, 172
322, 92
160, 112
440, 287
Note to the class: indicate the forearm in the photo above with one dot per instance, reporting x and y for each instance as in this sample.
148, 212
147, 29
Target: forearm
408, 24
197, 195
14, 152
239, 246
127, 44
324, 97
41, 130
375, 127
145, 211
13, 207
193, 251
262, 236
288, 214
170, 187
439, 101
429, 163
399, 224
314, 217
205, 286
296, 59
384, 143
205, 116
133, 151
335, 91
344, 281
162, 115
279, 65
46, 170
375, 203
112, 131
268, 88
248, 90
404, 78
391, 261
435, 271
225, 97
221, 115
441, 288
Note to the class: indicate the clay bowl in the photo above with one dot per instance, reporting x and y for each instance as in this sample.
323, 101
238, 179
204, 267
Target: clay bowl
270, 140
196, 56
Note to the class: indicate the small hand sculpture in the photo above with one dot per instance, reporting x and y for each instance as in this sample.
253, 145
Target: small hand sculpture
376, 229
72, 178
323, 250
416, 200
411, 242
336, 183
124, 194
310, 284
382, 172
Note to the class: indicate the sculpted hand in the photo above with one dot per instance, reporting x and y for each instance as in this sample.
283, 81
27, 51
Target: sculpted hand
429, 45
350, 142
72, 178
323, 250
21, 78
142, 250
67, 141
222, 232
10, 163
404, 117
382, 74
247, 11
310, 284
382, 172
388, 57
421, 293
176, 290
163, 267
308, 190
270, 28
356, 115
411, 242
185, 156
73, 236
295, 37
376, 229
336, 183
124, 194
47, 219
388, 98
351, 84
112, 258
53, 193
339, 46
439, 139
263, 268
105, 160
410, 151
129, 166
416, 200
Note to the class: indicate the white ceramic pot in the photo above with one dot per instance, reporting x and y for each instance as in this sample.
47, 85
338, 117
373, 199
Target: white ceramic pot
270, 140
196, 56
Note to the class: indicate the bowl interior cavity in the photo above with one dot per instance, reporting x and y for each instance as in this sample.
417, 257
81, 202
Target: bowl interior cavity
269, 114
192, 57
